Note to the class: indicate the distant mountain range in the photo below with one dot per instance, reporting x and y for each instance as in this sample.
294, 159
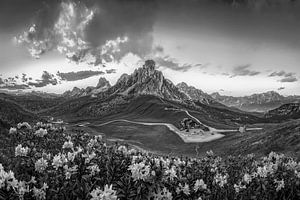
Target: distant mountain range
146, 80
256, 102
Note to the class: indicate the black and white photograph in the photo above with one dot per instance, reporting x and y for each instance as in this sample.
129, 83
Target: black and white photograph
149, 99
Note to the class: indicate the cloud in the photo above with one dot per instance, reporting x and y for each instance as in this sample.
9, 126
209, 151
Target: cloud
243, 70
171, 63
281, 73
92, 31
281, 88
1, 81
288, 79
111, 71
46, 79
80, 75
287, 76
14, 86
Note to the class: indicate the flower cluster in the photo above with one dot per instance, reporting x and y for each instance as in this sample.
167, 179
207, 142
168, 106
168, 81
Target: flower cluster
48, 163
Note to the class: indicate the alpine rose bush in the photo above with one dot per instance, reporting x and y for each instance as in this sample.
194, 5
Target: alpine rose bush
43, 162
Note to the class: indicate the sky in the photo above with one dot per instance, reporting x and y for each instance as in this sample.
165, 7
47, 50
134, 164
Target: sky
234, 47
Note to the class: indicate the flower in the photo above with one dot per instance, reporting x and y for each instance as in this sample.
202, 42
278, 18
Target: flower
71, 156
68, 145
221, 180
279, 185
21, 151
70, 171
185, 189
247, 178
239, 187
41, 132
24, 124
59, 160
123, 149
199, 184
139, 171
12, 130
171, 173
94, 169
40, 194
164, 194
40, 165
107, 194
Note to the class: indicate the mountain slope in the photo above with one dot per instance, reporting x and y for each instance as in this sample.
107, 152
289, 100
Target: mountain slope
286, 111
194, 93
11, 113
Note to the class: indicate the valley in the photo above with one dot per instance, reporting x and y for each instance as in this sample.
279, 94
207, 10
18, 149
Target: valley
149, 112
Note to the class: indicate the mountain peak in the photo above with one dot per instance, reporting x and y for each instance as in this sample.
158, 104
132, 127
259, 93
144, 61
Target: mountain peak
103, 82
146, 80
150, 65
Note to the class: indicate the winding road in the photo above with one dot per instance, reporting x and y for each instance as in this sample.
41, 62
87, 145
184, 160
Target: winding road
203, 136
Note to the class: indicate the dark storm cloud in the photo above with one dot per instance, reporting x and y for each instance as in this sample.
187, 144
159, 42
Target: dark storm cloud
287, 76
288, 79
14, 86
46, 79
92, 30
111, 71
243, 70
282, 73
171, 63
75, 76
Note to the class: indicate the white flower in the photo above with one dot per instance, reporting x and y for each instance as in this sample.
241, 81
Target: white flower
107, 194
89, 157
59, 160
68, 145
164, 194
7, 178
40, 165
247, 178
41, 132
94, 169
262, 172
40, 194
24, 124
171, 173
279, 185
123, 149
71, 156
12, 130
185, 189
199, 184
70, 171
21, 151
221, 180
139, 171
21, 189
239, 187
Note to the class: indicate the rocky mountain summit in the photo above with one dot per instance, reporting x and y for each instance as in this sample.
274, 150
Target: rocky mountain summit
146, 80
195, 94
102, 86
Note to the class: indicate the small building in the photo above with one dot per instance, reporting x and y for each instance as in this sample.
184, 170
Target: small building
242, 129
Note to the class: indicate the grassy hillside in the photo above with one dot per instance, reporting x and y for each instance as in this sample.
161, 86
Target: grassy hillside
12, 113
58, 165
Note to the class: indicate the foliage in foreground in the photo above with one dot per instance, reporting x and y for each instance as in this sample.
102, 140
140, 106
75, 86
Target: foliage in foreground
43, 162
